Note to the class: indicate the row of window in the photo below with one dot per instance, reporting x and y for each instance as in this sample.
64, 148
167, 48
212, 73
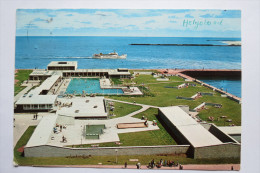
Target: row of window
37, 106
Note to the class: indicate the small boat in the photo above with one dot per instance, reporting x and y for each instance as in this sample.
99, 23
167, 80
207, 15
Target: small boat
112, 55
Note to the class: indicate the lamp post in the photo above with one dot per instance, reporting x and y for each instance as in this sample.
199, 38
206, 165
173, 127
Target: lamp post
116, 150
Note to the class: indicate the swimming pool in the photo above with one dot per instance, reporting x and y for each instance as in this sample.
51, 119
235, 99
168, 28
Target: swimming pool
94, 131
90, 86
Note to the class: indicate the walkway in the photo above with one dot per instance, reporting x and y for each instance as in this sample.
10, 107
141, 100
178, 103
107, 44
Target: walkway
20, 94
143, 105
216, 167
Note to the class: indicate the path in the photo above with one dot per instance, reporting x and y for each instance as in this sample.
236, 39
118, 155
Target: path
218, 167
143, 105
144, 108
20, 94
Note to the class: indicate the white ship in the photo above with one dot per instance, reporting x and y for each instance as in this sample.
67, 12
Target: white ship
112, 55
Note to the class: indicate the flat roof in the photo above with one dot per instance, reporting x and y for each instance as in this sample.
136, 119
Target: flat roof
36, 99
43, 131
194, 132
231, 130
62, 63
41, 72
109, 71
49, 82
33, 96
94, 107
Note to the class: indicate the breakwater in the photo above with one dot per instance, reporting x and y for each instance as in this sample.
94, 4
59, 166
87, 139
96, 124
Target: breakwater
144, 44
212, 73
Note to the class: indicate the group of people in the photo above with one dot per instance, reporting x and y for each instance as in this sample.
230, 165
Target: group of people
55, 129
63, 104
161, 163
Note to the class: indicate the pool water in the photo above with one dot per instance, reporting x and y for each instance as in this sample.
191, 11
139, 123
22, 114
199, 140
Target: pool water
90, 86
94, 131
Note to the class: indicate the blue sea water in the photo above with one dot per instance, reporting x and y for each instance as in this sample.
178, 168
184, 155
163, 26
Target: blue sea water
231, 85
37, 52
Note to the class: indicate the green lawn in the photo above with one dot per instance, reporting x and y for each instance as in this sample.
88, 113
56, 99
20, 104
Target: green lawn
148, 138
162, 96
22, 142
105, 160
116, 81
21, 75
122, 109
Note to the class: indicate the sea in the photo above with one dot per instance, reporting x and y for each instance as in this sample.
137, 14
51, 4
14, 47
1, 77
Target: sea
37, 51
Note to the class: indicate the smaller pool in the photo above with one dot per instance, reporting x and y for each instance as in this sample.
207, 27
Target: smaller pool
90, 86
94, 131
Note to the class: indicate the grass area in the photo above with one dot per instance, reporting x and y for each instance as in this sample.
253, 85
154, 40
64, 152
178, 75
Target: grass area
18, 157
105, 160
116, 81
122, 109
111, 160
162, 96
21, 75
148, 138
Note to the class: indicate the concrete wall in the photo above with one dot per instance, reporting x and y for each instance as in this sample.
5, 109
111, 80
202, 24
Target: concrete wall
178, 137
218, 151
216, 73
220, 134
53, 151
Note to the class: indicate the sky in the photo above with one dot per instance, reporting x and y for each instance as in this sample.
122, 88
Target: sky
128, 22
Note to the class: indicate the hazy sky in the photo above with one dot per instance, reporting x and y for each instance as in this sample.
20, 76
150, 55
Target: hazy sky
114, 22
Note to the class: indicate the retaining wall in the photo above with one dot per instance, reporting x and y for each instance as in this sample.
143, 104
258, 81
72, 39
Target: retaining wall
55, 151
220, 134
218, 151
178, 137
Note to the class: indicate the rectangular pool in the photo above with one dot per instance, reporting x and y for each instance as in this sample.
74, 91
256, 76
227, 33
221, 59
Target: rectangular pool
94, 131
90, 86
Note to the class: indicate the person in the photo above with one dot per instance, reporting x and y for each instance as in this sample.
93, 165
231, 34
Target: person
61, 128
152, 163
63, 139
181, 167
146, 123
232, 168
149, 165
36, 116
125, 164
138, 165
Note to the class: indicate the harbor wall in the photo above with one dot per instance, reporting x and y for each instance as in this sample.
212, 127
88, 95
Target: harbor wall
212, 73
